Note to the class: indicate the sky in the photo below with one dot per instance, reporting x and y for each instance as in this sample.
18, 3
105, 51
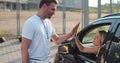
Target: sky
93, 3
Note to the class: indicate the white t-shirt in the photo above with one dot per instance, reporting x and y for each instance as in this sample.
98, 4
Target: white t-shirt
35, 30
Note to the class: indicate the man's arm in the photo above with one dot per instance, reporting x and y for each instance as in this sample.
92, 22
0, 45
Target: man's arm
60, 39
24, 49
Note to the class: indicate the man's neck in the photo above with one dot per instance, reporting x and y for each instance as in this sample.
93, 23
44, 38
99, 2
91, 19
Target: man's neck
41, 14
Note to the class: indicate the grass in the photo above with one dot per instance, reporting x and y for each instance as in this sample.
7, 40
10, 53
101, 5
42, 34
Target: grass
1, 33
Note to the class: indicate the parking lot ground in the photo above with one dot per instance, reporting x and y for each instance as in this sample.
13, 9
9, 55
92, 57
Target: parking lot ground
10, 51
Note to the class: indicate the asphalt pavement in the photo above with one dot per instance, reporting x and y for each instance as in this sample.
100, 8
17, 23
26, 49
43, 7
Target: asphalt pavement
10, 51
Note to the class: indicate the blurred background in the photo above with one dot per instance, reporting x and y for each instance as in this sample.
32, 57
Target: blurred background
13, 14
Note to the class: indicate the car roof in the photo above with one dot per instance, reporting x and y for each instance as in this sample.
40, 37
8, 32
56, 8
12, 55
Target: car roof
99, 22
104, 18
114, 14
111, 16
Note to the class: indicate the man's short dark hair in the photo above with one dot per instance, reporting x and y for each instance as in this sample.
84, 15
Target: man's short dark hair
47, 2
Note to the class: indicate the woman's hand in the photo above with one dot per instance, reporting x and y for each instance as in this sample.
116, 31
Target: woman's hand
74, 30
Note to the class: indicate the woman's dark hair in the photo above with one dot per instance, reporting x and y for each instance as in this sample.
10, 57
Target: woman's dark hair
47, 2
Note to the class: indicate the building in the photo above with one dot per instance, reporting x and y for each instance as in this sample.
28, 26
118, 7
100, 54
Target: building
33, 4
11, 4
74, 4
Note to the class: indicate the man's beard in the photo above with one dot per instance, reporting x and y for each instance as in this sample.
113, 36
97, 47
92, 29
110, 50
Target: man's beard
49, 17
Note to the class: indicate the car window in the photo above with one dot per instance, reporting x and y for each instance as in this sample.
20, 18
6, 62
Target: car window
87, 40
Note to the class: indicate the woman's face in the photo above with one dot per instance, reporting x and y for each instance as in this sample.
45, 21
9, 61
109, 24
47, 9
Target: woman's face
96, 39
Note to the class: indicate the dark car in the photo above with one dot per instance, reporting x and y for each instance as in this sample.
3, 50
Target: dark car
110, 51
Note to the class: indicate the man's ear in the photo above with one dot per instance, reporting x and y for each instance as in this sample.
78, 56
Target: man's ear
44, 6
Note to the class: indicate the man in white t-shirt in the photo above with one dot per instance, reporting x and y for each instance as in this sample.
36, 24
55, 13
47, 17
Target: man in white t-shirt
37, 33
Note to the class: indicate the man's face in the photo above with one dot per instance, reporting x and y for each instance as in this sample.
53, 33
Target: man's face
51, 10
